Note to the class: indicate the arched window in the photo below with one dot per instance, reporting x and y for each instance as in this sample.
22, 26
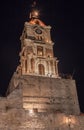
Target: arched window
40, 51
32, 65
41, 69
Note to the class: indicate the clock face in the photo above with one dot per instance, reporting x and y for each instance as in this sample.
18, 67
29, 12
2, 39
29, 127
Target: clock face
38, 31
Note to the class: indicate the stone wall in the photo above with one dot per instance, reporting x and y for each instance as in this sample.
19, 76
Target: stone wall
41, 103
50, 94
21, 119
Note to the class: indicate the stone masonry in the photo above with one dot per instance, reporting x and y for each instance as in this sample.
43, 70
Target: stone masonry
50, 110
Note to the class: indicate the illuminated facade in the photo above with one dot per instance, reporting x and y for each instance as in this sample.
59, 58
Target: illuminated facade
37, 98
37, 50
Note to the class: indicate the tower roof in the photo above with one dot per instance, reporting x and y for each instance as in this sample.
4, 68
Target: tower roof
36, 21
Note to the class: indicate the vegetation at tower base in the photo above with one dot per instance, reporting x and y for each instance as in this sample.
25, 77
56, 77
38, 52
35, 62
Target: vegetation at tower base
37, 97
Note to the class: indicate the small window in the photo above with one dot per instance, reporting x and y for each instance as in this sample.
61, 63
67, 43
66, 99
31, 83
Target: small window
49, 52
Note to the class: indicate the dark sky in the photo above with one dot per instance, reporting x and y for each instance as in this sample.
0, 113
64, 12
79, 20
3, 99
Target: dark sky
67, 20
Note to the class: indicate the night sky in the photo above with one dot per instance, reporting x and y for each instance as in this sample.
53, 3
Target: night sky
67, 20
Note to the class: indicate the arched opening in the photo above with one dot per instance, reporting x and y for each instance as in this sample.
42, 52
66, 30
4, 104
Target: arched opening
25, 65
51, 64
32, 65
41, 69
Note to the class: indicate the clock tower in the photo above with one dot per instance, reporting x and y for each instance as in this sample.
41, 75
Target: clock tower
36, 55
37, 97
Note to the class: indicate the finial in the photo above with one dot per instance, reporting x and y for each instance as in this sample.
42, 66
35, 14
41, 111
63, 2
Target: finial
34, 4
34, 14
34, 11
